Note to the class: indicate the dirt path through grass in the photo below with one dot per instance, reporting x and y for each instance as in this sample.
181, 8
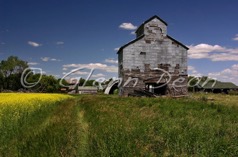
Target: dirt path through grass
63, 135
61, 132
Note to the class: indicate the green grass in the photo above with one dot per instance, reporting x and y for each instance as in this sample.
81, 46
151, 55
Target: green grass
159, 127
59, 138
223, 99
51, 129
201, 125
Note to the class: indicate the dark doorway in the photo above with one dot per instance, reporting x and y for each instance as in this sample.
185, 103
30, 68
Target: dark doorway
114, 89
159, 89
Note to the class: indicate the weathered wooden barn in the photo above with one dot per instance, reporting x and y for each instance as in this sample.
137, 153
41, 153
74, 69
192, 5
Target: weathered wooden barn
154, 61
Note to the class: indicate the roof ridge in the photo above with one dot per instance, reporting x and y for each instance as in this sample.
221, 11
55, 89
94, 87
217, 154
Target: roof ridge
151, 18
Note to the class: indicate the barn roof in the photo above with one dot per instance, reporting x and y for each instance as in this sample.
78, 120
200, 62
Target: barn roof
217, 85
178, 42
140, 37
155, 16
87, 88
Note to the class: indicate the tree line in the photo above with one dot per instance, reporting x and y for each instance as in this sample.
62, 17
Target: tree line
11, 71
13, 68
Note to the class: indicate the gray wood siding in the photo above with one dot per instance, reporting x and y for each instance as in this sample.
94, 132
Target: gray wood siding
153, 50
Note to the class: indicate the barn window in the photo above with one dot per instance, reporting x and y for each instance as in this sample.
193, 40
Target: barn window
142, 53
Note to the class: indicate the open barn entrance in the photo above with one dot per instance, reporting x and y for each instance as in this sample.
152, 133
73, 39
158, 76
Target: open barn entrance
157, 88
112, 87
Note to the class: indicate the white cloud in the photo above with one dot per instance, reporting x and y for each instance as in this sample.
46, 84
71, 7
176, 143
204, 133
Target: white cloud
236, 37
56, 76
32, 63
99, 66
133, 33
89, 66
64, 69
212, 52
205, 48
128, 26
197, 55
227, 75
46, 59
193, 72
224, 57
190, 67
98, 75
54, 59
59, 43
235, 67
81, 73
111, 60
116, 49
34, 44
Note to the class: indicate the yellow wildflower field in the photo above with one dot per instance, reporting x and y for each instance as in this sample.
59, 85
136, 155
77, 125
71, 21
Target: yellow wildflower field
17, 103
29, 99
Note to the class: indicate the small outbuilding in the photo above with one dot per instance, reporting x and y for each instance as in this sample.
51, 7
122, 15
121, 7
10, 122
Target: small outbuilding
216, 87
87, 90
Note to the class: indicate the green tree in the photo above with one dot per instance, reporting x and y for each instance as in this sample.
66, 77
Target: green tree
1, 81
88, 82
46, 83
11, 71
49, 84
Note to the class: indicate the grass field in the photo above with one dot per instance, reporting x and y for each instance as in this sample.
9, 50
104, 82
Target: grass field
100, 125
36, 125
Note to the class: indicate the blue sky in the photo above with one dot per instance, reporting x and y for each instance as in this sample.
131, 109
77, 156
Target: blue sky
60, 35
